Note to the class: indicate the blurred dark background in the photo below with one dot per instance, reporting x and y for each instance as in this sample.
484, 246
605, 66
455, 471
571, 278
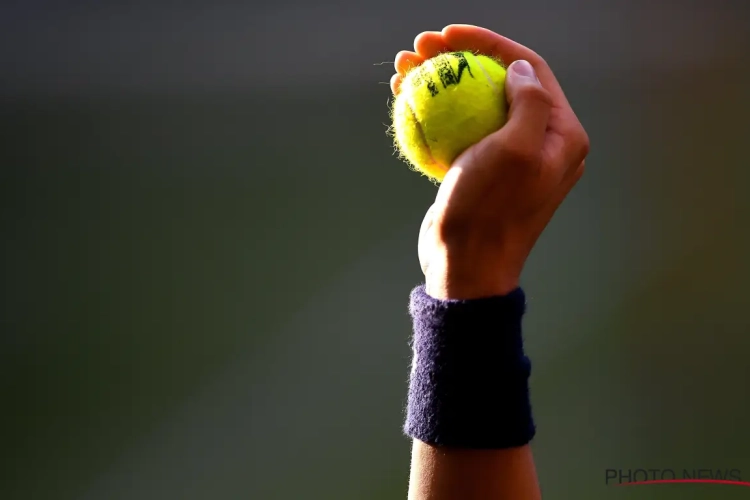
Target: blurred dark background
208, 245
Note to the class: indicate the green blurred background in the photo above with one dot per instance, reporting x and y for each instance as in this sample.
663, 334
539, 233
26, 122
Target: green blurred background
208, 245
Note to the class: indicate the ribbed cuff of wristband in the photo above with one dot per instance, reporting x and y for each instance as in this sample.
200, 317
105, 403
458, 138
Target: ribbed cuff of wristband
469, 381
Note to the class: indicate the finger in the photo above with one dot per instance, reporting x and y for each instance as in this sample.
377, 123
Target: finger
406, 60
525, 132
429, 44
569, 138
484, 41
395, 83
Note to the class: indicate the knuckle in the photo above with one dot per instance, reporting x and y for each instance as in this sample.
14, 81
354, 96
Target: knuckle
578, 143
536, 60
533, 93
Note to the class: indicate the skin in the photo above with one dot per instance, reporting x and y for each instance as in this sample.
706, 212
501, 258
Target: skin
489, 211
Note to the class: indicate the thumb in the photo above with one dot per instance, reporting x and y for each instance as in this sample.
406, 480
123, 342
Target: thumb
529, 111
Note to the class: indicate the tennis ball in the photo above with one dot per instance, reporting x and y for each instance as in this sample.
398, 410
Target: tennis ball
445, 105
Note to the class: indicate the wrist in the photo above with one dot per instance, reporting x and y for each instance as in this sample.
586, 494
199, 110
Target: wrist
471, 280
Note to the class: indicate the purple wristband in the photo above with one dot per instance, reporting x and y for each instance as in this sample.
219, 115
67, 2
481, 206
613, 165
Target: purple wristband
469, 381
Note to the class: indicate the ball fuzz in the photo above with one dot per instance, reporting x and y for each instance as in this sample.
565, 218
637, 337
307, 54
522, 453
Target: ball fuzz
445, 105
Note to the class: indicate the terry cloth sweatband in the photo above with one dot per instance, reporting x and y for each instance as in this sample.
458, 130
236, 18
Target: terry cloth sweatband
469, 381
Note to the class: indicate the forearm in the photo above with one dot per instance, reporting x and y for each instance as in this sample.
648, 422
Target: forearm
449, 474
452, 472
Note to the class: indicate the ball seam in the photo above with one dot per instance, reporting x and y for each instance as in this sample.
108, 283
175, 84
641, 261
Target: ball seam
487, 76
420, 130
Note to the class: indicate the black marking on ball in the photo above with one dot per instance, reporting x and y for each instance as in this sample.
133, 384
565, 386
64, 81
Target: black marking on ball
432, 88
419, 75
423, 76
445, 70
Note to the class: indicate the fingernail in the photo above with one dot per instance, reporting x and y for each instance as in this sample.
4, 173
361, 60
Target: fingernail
523, 68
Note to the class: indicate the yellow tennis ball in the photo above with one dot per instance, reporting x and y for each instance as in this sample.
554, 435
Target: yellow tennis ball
445, 105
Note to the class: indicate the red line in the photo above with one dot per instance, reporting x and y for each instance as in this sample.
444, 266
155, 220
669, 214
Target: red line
676, 481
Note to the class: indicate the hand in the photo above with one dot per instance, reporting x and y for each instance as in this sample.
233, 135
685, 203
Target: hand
500, 194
